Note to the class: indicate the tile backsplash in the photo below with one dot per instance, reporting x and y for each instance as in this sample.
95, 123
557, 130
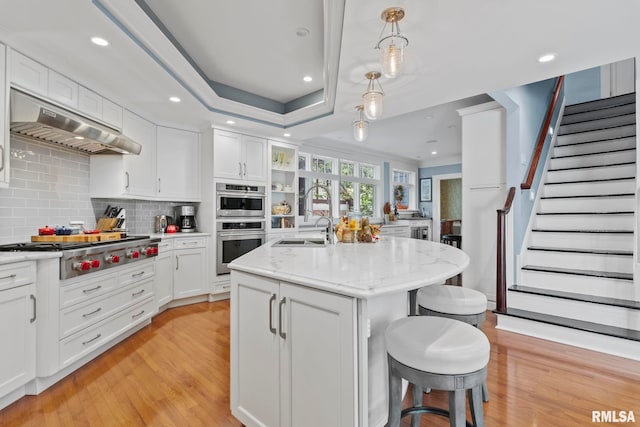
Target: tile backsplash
50, 186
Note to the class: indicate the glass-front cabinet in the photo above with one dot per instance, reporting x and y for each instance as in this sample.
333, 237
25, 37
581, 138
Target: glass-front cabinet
283, 190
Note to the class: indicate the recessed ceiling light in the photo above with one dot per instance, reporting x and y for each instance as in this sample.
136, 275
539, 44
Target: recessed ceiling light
302, 32
99, 41
307, 78
433, 153
287, 135
78, 137
429, 116
431, 141
174, 99
230, 122
547, 57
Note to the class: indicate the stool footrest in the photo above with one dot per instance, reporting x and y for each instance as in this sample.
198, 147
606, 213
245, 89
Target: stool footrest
428, 410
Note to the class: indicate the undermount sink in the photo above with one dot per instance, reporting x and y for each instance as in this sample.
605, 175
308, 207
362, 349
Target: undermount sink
305, 242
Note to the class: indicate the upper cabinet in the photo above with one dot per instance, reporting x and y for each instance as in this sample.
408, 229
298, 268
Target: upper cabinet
178, 164
140, 169
239, 157
4, 116
29, 74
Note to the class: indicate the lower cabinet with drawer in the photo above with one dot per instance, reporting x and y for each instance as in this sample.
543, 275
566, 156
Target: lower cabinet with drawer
94, 312
181, 269
17, 329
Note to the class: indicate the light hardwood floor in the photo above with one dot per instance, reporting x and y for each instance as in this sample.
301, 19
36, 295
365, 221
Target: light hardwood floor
175, 372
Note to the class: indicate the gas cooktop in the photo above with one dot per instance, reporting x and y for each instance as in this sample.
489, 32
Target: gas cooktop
63, 246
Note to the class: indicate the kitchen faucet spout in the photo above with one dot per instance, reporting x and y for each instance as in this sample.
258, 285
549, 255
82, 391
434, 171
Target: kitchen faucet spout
306, 195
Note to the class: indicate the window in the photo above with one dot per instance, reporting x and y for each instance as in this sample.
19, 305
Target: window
353, 186
403, 183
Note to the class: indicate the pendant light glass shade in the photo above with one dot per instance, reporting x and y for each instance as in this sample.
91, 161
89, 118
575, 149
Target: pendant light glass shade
372, 98
360, 126
392, 45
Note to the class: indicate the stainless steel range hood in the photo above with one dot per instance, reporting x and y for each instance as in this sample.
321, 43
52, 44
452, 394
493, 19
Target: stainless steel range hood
34, 118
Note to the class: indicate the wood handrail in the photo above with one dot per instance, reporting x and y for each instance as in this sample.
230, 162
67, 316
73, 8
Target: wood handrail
501, 255
542, 136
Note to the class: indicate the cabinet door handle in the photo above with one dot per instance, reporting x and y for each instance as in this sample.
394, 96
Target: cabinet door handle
177, 262
239, 169
271, 301
2, 159
91, 340
137, 274
33, 300
126, 187
11, 276
140, 292
245, 169
283, 334
158, 185
135, 316
88, 291
98, 310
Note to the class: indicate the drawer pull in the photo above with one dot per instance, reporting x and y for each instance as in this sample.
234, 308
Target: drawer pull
98, 310
140, 292
33, 300
135, 316
88, 291
138, 274
91, 340
11, 276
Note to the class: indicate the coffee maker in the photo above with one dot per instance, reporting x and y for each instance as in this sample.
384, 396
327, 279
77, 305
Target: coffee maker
186, 216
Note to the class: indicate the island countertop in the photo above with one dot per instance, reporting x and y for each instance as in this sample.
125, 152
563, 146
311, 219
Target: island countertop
361, 270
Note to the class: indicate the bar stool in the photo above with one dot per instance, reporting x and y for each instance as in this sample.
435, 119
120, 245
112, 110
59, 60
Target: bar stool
454, 302
440, 354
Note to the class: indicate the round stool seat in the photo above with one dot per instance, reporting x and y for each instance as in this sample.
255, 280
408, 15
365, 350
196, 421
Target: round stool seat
437, 345
452, 299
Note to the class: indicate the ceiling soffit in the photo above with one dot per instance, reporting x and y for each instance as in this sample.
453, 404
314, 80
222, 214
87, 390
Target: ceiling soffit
146, 28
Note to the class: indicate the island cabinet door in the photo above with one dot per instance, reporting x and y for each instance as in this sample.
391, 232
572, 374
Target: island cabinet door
255, 347
318, 373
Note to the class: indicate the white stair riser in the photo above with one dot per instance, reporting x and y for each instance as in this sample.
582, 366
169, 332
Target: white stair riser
597, 286
592, 341
609, 172
600, 104
598, 262
627, 156
590, 188
599, 114
608, 122
588, 204
579, 310
595, 147
597, 135
584, 222
623, 242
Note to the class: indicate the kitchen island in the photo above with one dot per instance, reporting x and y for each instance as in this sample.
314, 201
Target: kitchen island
307, 327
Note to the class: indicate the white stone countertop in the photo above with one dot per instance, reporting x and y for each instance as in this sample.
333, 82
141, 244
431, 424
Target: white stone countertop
11, 257
177, 235
361, 270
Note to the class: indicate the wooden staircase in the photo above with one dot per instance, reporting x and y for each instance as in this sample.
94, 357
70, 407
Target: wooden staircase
575, 279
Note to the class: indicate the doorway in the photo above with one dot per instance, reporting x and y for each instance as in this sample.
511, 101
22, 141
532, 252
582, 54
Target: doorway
447, 201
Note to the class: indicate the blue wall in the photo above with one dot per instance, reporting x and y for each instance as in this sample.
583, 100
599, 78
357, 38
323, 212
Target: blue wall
428, 172
582, 86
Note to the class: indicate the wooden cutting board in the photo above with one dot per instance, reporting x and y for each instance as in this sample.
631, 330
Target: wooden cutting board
77, 238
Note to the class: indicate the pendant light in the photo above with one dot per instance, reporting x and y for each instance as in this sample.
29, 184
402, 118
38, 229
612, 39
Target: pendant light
372, 98
360, 126
392, 45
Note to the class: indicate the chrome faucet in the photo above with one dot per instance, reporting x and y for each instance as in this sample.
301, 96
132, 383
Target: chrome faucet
328, 218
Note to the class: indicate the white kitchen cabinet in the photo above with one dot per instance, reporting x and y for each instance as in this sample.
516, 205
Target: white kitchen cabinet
239, 157
112, 113
283, 177
178, 164
140, 170
29, 74
164, 273
89, 102
4, 116
17, 326
189, 274
305, 373
63, 90
127, 175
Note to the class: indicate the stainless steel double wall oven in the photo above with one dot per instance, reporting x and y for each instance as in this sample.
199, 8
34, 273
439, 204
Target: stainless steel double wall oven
240, 222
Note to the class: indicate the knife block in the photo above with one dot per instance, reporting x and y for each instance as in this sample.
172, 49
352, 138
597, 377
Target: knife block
106, 224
